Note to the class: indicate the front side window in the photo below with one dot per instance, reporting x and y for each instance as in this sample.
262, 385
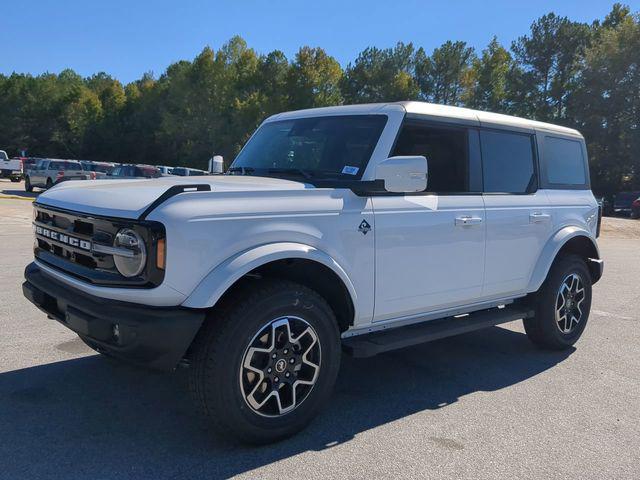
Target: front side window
507, 162
329, 147
445, 150
564, 161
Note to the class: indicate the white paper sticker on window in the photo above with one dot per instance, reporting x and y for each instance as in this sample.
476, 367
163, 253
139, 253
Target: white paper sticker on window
349, 170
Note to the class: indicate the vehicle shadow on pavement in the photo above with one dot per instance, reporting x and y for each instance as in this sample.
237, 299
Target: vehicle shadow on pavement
91, 416
18, 193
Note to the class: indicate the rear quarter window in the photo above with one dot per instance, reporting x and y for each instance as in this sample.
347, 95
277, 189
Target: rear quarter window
564, 162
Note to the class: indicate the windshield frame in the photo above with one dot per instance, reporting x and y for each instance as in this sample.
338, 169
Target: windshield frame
308, 174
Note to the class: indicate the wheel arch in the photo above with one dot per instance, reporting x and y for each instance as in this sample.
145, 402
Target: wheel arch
568, 240
301, 263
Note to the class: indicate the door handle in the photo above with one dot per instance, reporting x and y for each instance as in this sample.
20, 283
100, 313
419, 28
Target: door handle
537, 217
468, 220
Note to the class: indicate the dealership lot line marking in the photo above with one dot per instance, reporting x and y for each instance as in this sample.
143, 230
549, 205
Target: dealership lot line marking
611, 315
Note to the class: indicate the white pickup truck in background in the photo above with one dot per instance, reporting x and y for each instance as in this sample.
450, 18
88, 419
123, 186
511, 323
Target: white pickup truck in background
10, 168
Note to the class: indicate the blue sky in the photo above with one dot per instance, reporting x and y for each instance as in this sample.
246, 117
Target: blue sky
128, 38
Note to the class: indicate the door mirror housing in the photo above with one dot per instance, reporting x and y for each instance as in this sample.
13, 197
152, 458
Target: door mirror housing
403, 174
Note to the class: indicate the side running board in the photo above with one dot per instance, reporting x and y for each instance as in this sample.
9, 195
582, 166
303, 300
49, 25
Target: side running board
368, 345
172, 192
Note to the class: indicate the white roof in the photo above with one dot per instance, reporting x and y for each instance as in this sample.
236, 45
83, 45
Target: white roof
436, 111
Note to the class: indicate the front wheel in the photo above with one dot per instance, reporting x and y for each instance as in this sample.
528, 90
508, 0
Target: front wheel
264, 365
27, 185
562, 305
49, 184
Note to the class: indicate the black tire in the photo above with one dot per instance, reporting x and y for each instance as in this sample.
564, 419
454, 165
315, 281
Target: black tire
49, 184
15, 179
544, 329
222, 346
27, 185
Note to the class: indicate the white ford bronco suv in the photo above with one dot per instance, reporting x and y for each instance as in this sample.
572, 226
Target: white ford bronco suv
352, 229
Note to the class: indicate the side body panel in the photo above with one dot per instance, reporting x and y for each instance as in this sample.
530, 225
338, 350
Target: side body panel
223, 226
574, 213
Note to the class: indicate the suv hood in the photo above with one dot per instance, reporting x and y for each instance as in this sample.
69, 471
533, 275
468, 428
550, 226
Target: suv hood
130, 198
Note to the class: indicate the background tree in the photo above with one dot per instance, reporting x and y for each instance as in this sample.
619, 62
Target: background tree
488, 79
606, 103
386, 75
549, 60
578, 75
314, 79
443, 76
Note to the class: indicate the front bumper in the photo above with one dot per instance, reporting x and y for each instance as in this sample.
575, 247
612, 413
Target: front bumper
155, 337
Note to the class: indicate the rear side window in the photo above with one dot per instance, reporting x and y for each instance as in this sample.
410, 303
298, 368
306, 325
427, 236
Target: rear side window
71, 166
564, 161
507, 162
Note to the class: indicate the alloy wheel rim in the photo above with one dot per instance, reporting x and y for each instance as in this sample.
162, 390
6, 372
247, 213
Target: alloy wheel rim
569, 302
280, 366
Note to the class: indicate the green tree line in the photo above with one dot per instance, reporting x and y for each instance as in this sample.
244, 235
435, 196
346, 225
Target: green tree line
585, 76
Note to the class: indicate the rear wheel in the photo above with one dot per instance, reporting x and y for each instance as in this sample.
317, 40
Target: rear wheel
264, 366
27, 185
562, 305
49, 184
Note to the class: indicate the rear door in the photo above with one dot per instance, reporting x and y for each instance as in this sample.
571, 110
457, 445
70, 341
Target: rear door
38, 176
430, 246
518, 214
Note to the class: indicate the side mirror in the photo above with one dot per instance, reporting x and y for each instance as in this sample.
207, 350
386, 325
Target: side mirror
403, 174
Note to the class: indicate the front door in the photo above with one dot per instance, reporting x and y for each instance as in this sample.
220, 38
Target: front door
430, 247
429, 253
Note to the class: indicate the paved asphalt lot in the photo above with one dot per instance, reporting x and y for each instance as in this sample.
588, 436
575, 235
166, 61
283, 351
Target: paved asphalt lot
482, 405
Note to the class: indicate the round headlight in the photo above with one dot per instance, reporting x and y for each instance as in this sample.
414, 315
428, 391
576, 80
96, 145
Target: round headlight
129, 264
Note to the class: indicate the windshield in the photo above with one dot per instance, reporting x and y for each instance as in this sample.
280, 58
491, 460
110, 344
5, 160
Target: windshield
337, 146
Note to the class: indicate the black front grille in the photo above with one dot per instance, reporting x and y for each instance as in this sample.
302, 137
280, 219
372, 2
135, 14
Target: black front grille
65, 240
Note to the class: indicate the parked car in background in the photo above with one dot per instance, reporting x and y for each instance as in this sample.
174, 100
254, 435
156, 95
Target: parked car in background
606, 203
623, 201
10, 168
635, 208
97, 170
29, 163
188, 172
135, 171
49, 172
165, 170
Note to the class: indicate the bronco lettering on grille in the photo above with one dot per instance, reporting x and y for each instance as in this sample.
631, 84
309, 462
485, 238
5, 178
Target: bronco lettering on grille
62, 238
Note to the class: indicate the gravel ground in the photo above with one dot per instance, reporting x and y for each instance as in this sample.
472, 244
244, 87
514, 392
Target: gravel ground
481, 405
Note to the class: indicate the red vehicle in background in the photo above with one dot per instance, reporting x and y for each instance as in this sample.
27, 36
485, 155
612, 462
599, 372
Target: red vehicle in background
635, 208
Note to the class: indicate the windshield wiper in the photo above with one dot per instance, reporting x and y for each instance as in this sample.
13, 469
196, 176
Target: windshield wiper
241, 170
295, 171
